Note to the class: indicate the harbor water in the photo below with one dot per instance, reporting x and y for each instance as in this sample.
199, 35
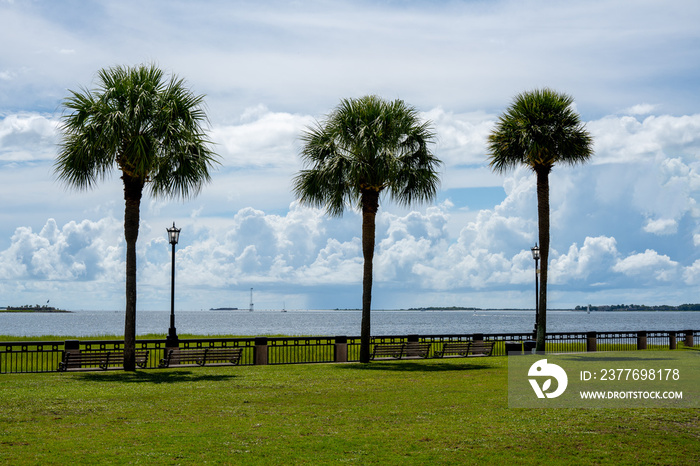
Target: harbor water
332, 323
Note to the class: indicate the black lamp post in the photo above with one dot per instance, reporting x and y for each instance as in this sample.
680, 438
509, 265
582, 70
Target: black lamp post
173, 237
536, 255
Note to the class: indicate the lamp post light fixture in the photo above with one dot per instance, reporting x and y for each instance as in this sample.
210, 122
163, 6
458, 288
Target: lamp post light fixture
173, 237
536, 256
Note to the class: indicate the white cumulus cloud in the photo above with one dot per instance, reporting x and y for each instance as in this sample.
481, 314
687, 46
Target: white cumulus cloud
649, 264
27, 137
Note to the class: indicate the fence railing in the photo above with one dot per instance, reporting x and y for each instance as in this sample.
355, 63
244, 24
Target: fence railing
45, 356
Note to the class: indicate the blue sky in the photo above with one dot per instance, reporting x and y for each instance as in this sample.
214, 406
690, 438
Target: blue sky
625, 227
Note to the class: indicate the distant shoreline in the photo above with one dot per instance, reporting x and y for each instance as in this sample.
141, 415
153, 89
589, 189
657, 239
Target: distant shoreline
596, 309
606, 308
478, 309
34, 311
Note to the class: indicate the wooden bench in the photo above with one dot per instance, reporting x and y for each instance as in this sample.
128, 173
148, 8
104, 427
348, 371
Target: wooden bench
76, 360
399, 350
201, 356
466, 348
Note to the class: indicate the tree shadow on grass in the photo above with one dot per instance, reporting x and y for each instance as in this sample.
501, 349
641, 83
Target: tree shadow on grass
154, 377
410, 366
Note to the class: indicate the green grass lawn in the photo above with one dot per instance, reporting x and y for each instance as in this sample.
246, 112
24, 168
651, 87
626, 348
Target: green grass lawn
452, 411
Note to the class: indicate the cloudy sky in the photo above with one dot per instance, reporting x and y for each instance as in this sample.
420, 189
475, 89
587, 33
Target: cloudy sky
625, 227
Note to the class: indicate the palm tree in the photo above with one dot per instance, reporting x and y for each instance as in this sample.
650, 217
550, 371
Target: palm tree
539, 130
149, 127
362, 148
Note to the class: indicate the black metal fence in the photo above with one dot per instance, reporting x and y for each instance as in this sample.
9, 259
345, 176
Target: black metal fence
45, 356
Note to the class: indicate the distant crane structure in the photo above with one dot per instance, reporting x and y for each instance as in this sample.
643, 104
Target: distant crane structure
251, 300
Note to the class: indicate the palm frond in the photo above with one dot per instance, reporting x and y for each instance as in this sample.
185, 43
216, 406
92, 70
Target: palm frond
539, 129
367, 144
149, 127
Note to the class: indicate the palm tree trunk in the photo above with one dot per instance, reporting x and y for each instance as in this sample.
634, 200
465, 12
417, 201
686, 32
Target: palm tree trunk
543, 226
370, 205
133, 189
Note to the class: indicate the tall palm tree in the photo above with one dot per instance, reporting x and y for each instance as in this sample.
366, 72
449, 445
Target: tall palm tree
149, 127
539, 130
364, 147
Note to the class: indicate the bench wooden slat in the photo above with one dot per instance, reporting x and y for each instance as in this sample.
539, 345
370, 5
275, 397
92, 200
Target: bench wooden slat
399, 350
466, 348
394, 350
482, 348
103, 359
413, 349
202, 356
459, 348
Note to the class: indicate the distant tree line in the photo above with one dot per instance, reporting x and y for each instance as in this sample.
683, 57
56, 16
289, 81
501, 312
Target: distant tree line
640, 307
29, 307
450, 308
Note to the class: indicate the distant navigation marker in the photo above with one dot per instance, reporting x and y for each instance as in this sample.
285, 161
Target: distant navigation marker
251, 300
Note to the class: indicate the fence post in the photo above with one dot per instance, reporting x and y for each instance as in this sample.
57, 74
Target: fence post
412, 338
689, 338
341, 349
478, 337
529, 346
260, 351
641, 340
513, 347
671, 340
591, 341
72, 345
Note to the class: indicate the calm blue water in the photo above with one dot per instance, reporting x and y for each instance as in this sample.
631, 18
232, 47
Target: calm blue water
331, 323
